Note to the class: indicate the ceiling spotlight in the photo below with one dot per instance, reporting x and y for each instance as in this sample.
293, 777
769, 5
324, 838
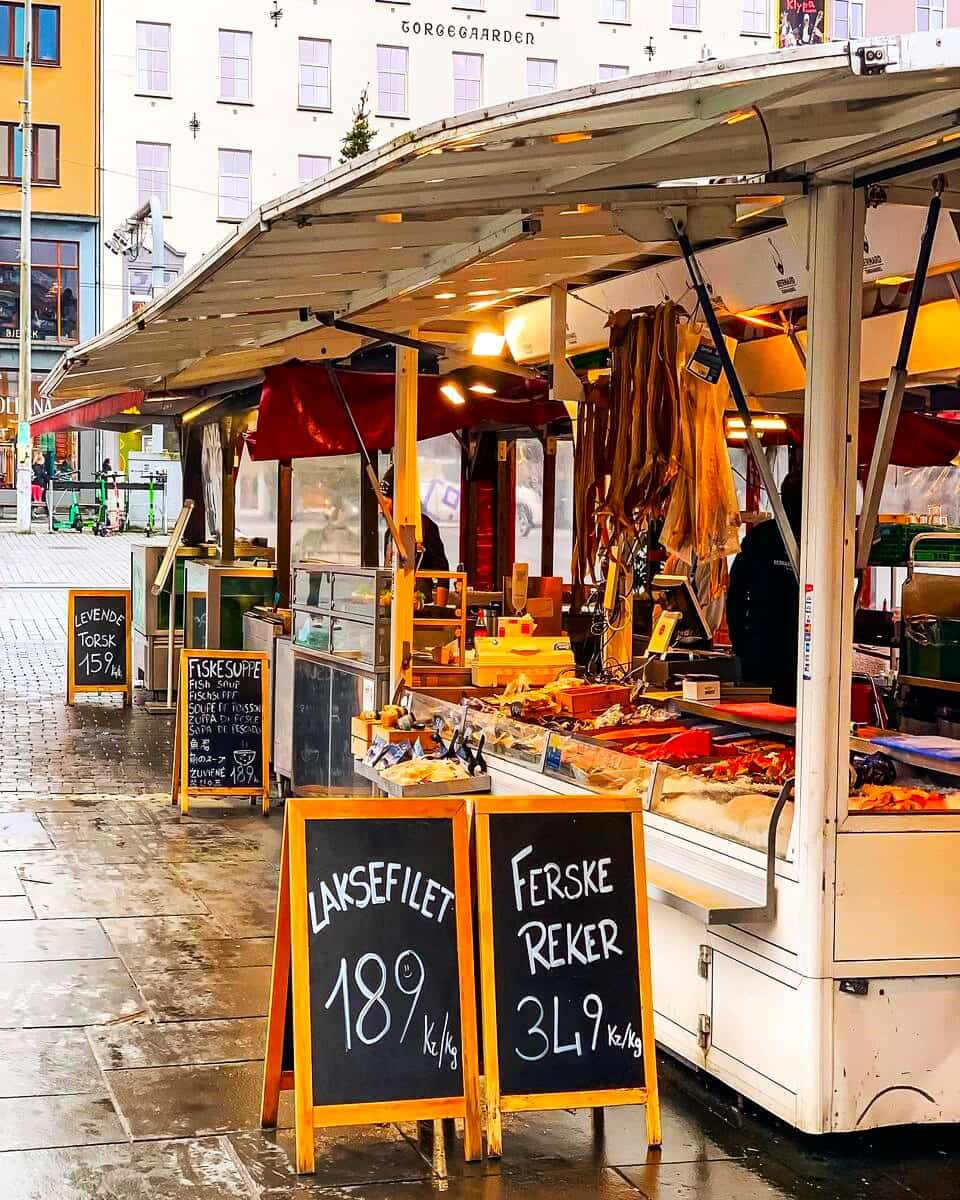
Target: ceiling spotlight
483, 389
452, 393
488, 344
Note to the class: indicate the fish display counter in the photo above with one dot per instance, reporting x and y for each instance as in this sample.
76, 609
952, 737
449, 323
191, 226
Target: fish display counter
736, 904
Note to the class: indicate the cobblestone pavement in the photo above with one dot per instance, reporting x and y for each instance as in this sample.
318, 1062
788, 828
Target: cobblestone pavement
134, 961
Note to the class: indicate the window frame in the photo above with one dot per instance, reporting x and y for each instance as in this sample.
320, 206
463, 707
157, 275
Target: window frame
533, 12
166, 199
221, 98
930, 6
744, 31
221, 175
467, 78
622, 69
556, 76
382, 112
59, 267
10, 171
147, 91
12, 33
848, 7
328, 107
607, 16
328, 159
675, 24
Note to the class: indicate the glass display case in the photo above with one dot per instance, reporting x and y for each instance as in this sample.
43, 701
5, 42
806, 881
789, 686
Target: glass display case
220, 593
341, 651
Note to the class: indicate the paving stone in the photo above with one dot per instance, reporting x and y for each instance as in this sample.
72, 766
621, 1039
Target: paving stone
345, 1157
39, 1122
195, 1170
754, 1181
215, 992
22, 831
10, 884
47, 1062
179, 1043
46, 941
135, 935
183, 954
109, 891
47, 994
193, 1101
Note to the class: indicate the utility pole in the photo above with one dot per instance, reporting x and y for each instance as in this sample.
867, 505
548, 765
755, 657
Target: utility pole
24, 443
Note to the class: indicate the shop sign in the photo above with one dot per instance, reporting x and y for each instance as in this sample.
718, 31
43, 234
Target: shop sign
467, 33
373, 1001
564, 957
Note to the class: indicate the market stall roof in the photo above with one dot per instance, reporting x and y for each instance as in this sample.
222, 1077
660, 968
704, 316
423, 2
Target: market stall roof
458, 219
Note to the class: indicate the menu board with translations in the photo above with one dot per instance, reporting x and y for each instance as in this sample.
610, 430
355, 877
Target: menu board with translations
564, 944
222, 724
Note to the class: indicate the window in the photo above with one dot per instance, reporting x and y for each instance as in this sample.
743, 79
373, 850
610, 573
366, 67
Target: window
930, 14
615, 10
847, 19
46, 152
610, 71
311, 166
234, 185
54, 289
541, 76
153, 58
542, 8
478, 5
235, 49
392, 81
153, 173
756, 16
685, 14
314, 73
467, 82
46, 34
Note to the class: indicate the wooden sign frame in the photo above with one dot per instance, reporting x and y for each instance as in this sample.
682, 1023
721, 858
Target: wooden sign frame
291, 967
180, 789
126, 688
497, 1102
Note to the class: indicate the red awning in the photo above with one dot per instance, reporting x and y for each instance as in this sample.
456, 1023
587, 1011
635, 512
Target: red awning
300, 417
82, 414
920, 440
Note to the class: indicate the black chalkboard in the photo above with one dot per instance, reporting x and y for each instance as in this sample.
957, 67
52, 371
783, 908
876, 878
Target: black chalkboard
385, 1021
565, 952
98, 632
222, 735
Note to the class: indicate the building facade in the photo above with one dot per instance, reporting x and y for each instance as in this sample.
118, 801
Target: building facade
65, 278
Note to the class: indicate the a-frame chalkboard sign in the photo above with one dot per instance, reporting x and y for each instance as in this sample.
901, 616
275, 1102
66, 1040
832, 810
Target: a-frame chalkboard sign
374, 947
564, 957
98, 642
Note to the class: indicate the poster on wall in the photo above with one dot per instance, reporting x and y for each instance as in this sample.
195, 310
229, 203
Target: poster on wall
802, 23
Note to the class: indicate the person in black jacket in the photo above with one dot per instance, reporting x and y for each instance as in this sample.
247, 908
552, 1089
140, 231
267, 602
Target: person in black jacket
433, 557
763, 602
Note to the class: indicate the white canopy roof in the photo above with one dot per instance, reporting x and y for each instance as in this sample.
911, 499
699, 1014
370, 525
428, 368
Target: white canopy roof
475, 213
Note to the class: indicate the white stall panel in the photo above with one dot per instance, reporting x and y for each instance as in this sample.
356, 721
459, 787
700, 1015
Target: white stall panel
896, 1053
898, 896
755, 1018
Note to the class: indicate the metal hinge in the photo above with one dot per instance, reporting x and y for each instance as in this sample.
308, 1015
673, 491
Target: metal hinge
704, 959
704, 1025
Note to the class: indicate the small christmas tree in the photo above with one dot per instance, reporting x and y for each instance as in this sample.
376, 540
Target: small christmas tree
358, 137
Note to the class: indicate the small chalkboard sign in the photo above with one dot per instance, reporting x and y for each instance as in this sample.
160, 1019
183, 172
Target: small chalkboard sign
221, 746
374, 939
98, 642
565, 957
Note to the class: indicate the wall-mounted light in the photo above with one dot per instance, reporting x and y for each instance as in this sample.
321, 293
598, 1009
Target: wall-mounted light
194, 125
276, 13
650, 49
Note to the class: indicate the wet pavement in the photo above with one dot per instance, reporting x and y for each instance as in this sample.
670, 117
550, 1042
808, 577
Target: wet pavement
134, 967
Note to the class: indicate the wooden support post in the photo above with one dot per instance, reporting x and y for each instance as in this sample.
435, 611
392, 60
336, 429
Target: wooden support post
406, 511
827, 545
506, 530
228, 505
284, 527
618, 641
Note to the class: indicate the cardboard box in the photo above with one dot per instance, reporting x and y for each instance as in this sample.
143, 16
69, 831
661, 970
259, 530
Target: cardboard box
427, 740
701, 687
524, 626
